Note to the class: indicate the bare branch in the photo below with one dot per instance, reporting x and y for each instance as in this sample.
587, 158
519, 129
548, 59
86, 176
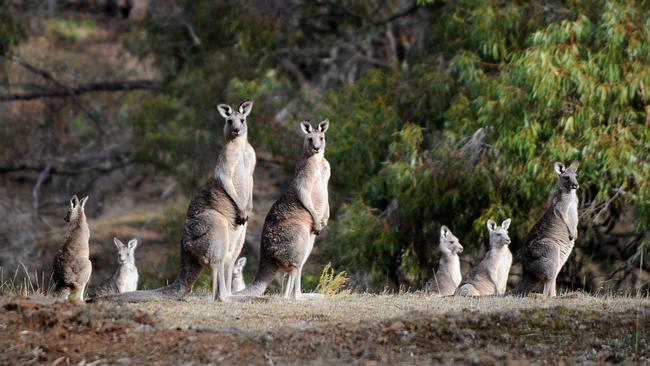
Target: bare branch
103, 86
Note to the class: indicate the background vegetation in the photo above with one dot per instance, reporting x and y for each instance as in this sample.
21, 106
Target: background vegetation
443, 112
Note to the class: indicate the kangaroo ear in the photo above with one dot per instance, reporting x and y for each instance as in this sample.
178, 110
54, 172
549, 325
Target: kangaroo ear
559, 168
324, 125
132, 243
444, 230
574, 166
306, 127
83, 201
505, 224
245, 108
74, 201
224, 110
491, 225
241, 262
118, 243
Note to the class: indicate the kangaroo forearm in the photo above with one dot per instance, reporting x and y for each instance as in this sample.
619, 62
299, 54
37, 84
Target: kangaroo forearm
309, 205
229, 188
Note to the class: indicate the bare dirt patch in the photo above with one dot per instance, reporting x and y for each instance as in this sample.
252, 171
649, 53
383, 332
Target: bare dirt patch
356, 329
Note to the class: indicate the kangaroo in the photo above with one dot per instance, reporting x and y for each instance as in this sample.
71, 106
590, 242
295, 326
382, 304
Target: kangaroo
216, 220
550, 242
490, 275
238, 275
296, 218
72, 267
125, 278
448, 275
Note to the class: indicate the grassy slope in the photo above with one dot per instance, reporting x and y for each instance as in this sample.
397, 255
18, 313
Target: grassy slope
358, 329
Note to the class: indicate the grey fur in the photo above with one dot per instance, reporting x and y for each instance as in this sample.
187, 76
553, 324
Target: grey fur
550, 242
125, 278
216, 220
490, 275
296, 218
72, 268
448, 275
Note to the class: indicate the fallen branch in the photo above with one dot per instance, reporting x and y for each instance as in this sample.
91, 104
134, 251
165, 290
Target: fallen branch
104, 86
71, 167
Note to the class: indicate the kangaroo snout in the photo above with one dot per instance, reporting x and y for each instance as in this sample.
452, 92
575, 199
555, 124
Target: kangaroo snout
575, 186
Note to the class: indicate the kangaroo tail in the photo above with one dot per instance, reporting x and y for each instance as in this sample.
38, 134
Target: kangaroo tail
466, 290
189, 271
527, 284
266, 273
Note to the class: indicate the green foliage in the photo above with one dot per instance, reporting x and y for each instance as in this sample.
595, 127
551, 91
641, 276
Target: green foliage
572, 89
545, 82
70, 30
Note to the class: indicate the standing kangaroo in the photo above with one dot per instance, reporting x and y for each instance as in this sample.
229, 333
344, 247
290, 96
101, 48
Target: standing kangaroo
125, 278
72, 267
550, 241
238, 283
448, 275
490, 276
216, 220
296, 218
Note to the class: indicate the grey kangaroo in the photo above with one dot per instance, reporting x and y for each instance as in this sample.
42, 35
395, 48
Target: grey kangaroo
550, 242
490, 275
296, 218
216, 220
448, 275
125, 278
238, 283
72, 267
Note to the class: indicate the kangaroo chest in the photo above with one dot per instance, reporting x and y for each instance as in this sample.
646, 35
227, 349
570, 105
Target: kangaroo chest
454, 269
571, 213
239, 168
318, 193
503, 267
126, 279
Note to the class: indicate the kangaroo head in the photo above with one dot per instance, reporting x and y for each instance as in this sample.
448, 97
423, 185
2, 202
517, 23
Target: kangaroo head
125, 253
76, 209
449, 243
314, 142
498, 234
239, 266
567, 178
235, 120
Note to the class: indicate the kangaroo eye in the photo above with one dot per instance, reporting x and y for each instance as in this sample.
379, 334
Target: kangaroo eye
321, 138
311, 140
229, 121
242, 120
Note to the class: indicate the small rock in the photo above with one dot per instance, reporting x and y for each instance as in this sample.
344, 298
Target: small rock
397, 325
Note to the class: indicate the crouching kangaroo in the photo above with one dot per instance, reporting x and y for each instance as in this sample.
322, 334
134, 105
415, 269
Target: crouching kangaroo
125, 278
238, 283
550, 242
216, 219
296, 218
72, 267
490, 275
448, 275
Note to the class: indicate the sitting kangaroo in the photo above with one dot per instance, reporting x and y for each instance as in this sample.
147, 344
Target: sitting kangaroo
238, 283
72, 267
125, 278
550, 241
490, 275
448, 275
296, 218
216, 220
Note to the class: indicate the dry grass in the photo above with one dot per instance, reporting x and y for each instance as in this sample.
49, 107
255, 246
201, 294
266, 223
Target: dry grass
197, 312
